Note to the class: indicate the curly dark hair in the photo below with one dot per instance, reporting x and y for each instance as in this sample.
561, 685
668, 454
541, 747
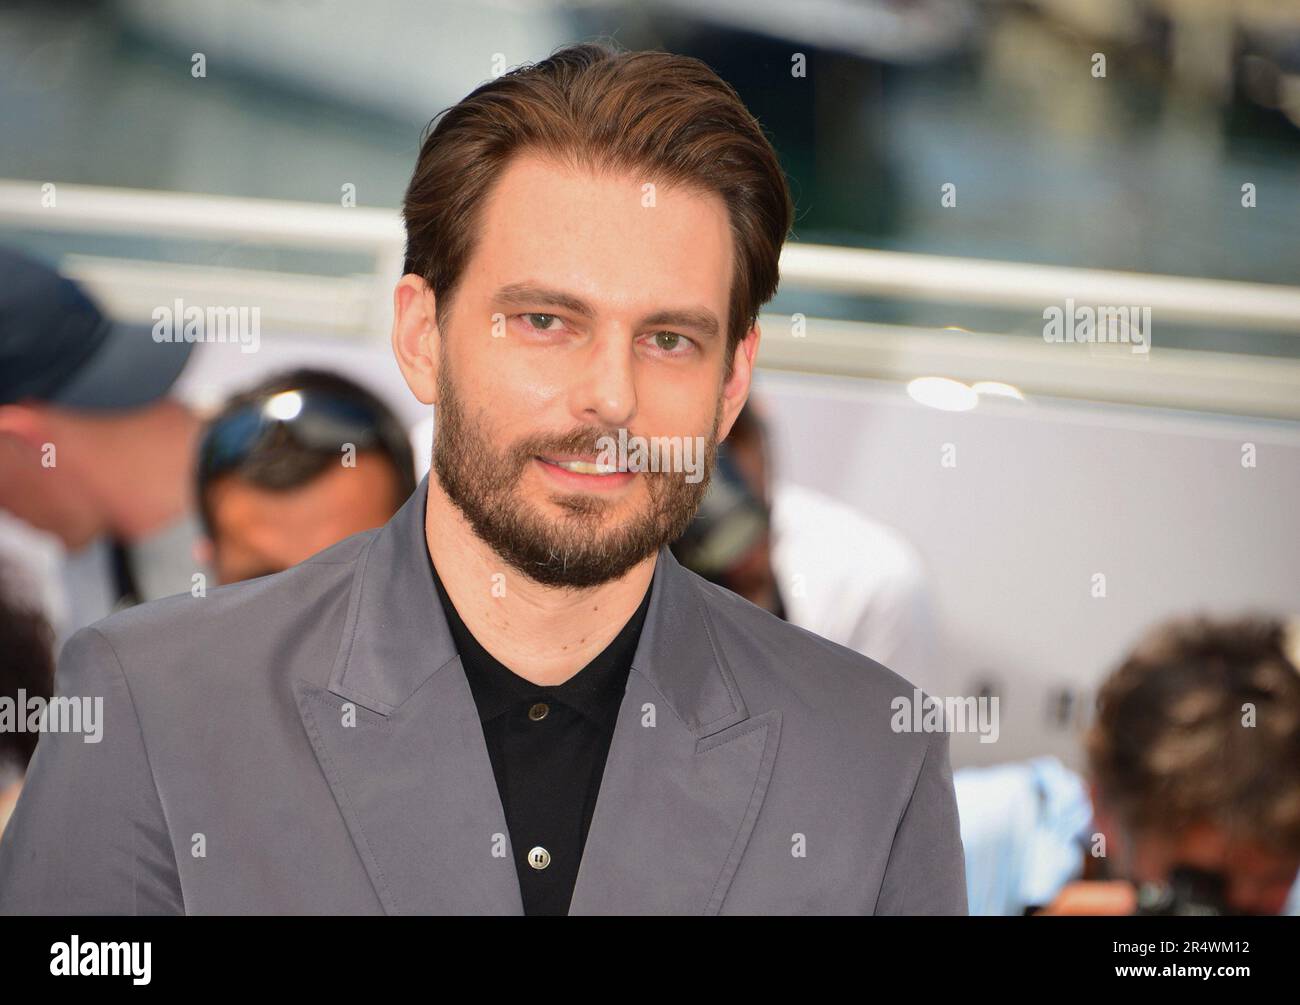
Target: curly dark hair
1201, 724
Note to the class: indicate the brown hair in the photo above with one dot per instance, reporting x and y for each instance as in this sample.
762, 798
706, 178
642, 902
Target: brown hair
595, 107
1171, 746
27, 665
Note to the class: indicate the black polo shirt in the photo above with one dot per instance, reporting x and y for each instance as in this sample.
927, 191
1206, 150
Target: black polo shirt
548, 747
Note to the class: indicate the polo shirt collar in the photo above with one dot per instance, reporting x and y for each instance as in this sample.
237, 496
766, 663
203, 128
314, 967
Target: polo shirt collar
595, 691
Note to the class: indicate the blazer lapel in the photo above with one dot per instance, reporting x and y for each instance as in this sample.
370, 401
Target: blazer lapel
687, 772
398, 737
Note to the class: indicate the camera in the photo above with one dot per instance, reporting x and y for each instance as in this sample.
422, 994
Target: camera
1189, 892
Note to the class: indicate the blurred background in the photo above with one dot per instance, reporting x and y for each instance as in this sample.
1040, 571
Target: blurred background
960, 167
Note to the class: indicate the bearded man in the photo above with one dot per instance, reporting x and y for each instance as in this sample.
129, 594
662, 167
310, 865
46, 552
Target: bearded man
511, 699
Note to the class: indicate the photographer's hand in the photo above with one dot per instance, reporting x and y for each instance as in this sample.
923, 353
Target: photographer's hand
1094, 897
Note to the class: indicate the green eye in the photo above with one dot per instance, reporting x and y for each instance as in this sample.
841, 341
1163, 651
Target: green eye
667, 341
549, 318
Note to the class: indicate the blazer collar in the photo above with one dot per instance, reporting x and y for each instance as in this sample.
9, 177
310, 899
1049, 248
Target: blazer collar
412, 778
396, 638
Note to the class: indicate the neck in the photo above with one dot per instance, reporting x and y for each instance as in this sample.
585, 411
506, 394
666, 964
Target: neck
545, 634
137, 467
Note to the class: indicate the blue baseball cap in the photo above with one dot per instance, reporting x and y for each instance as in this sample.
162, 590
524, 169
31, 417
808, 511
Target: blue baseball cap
57, 346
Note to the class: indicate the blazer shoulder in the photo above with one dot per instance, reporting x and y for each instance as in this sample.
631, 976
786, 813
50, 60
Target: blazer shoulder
239, 622
739, 623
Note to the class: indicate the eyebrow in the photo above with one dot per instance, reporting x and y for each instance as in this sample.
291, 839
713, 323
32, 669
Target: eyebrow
699, 319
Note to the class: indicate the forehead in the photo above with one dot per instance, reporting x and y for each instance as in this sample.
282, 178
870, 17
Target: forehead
335, 495
605, 237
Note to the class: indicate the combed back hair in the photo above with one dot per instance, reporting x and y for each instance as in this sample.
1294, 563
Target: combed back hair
667, 119
1201, 724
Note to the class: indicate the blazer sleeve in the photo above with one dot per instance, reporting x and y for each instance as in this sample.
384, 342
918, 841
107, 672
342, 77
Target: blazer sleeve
88, 835
926, 871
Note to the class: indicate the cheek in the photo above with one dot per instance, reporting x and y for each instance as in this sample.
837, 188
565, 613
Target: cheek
681, 404
506, 384
1255, 899
228, 564
1265, 894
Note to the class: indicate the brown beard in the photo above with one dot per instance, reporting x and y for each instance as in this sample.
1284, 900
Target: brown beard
573, 550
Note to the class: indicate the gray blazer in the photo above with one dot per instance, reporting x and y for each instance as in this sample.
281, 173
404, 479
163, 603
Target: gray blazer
306, 743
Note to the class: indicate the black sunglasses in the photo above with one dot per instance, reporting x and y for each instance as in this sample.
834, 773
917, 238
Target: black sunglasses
315, 420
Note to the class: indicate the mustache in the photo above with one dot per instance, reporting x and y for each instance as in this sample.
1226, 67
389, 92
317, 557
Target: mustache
585, 440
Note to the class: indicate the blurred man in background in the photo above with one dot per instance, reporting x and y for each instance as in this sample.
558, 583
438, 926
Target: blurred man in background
1192, 801
294, 465
92, 449
811, 560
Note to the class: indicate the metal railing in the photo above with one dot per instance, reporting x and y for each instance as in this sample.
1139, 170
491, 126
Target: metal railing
358, 306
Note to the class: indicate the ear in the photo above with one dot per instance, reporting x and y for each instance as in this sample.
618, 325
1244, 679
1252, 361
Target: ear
27, 424
416, 336
736, 390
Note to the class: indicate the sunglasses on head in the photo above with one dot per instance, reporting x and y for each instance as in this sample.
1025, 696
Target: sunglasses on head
319, 421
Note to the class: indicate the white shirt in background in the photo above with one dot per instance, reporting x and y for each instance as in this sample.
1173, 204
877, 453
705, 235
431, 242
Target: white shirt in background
854, 581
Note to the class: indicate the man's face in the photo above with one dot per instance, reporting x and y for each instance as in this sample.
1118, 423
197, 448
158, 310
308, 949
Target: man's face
258, 531
1257, 879
584, 310
38, 484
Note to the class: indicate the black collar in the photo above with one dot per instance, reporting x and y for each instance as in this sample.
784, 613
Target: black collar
595, 691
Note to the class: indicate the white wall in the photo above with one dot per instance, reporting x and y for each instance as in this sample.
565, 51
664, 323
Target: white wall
1045, 494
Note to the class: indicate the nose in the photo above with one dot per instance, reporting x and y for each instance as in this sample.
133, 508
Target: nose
603, 389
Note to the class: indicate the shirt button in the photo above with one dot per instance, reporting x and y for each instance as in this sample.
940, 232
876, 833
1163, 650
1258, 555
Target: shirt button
538, 712
539, 858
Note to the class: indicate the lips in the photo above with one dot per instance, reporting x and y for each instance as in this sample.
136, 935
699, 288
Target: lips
584, 473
